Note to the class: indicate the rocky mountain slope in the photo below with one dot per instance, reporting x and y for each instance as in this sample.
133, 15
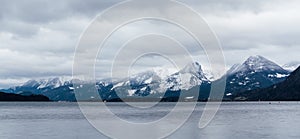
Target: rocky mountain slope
256, 72
288, 90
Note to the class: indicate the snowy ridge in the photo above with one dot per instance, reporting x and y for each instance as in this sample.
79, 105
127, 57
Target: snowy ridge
256, 72
255, 64
291, 66
157, 81
234, 69
191, 75
47, 83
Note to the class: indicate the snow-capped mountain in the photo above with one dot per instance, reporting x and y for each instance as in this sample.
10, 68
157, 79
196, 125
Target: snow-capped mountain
291, 66
141, 84
153, 82
58, 88
256, 64
191, 75
50, 83
255, 72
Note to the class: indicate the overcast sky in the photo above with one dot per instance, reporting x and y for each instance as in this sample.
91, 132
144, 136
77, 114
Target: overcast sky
38, 37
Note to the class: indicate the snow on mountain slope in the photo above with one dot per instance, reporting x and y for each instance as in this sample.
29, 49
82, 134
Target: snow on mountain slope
255, 72
256, 64
291, 66
191, 75
209, 75
50, 83
152, 82
163, 73
140, 84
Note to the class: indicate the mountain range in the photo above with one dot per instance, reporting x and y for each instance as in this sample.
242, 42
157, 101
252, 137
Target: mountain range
254, 74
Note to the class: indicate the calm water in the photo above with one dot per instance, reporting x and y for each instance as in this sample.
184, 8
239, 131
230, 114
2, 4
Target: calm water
233, 121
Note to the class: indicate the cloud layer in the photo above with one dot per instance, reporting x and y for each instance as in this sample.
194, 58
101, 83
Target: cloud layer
38, 38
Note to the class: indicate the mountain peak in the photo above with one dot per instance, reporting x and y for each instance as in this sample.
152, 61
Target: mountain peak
188, 77
256, 57
52, 82
256, 60
258, 63
31, 83
256, 72
192, 67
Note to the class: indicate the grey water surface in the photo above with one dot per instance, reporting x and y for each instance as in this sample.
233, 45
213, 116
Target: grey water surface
234, 120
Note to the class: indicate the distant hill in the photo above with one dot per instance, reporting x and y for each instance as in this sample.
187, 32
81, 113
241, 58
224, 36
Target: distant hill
288, 90
18, 97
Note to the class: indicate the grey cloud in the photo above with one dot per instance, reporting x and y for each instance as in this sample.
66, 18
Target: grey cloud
44, 11
17, 64
23, 18
38, 37
227, 7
